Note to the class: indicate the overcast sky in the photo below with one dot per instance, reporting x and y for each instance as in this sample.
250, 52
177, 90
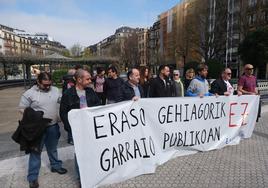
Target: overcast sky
80, 21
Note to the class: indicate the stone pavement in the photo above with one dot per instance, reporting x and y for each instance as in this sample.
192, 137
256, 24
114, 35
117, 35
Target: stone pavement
243, 165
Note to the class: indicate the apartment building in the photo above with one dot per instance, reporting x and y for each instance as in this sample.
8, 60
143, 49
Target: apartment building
143, 46
178, 34
11, 44
43, 42
154, 44
114, 44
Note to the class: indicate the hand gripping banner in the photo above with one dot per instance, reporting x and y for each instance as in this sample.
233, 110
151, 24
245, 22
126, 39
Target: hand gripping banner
120, 141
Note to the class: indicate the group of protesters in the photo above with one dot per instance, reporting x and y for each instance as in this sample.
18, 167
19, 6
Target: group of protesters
81, 90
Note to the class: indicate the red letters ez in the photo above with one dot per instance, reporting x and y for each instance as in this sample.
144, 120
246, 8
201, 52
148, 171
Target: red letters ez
244, 114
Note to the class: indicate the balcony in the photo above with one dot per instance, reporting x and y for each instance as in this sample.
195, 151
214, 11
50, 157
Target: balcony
7, 45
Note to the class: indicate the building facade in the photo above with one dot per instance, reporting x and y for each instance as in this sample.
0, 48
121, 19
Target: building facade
11, 44
178, 34
143, 46
154, 56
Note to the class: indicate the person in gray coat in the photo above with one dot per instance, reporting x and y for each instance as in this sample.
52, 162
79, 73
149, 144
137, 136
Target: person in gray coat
179, 88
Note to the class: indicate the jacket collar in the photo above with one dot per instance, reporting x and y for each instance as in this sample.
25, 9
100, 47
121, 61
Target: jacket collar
200, 78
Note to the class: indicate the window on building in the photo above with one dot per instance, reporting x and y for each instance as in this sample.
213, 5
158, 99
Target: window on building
252, 19
252, 3
236, 36
265, 16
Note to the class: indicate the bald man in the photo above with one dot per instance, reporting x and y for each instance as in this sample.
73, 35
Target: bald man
78, 97
131, 89
247, 83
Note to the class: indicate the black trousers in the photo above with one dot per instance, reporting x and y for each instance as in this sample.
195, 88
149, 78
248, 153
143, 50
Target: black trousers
102, 97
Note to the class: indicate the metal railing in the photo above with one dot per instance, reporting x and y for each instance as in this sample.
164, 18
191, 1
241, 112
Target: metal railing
15, 83
262, 87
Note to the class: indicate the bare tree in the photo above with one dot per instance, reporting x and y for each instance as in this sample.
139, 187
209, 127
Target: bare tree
130, 53
211, 27
76, 50
115, 50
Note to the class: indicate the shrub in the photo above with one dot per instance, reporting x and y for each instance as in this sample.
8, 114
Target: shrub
57, 76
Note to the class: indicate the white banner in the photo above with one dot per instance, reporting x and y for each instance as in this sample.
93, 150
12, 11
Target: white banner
119, 141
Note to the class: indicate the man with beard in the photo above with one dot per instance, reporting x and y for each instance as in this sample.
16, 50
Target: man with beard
112, 86
44, 97
199, 85
162, 85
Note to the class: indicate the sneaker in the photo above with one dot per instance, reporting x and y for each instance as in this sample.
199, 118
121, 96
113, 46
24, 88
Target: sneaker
34, 184
59, 171
70, 141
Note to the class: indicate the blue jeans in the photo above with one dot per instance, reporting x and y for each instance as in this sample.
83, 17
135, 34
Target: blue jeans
50, 140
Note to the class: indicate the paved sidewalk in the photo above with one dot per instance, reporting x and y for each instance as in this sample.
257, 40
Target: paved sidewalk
243, 165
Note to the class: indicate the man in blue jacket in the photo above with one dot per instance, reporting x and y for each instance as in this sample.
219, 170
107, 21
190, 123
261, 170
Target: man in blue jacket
199, 86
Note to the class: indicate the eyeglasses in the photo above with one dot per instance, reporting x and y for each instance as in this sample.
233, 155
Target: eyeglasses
46, 85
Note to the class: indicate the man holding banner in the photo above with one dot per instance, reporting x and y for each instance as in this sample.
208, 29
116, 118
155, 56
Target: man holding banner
131, 90
116, 142
78, 97
199, 86
247, 84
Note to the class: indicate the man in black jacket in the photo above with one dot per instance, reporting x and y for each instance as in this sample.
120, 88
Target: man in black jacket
162, 85
131, 90
222, 85
80, 96
112, 86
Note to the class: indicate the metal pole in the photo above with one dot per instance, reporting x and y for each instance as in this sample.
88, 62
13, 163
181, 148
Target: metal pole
232, 30
24, 76
227, 36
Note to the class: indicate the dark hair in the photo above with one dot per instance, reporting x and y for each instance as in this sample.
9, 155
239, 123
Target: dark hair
224, 69
130, 72
99, 70
201, 67
44, 76
76, 67
162, 67
113, 69
142, 74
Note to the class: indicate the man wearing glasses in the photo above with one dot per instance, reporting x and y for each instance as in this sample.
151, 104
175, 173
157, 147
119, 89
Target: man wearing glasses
44, 97
247, 83
179, 87
222, 85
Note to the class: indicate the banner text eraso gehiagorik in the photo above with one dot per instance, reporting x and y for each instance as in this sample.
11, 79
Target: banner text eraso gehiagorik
120, 141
